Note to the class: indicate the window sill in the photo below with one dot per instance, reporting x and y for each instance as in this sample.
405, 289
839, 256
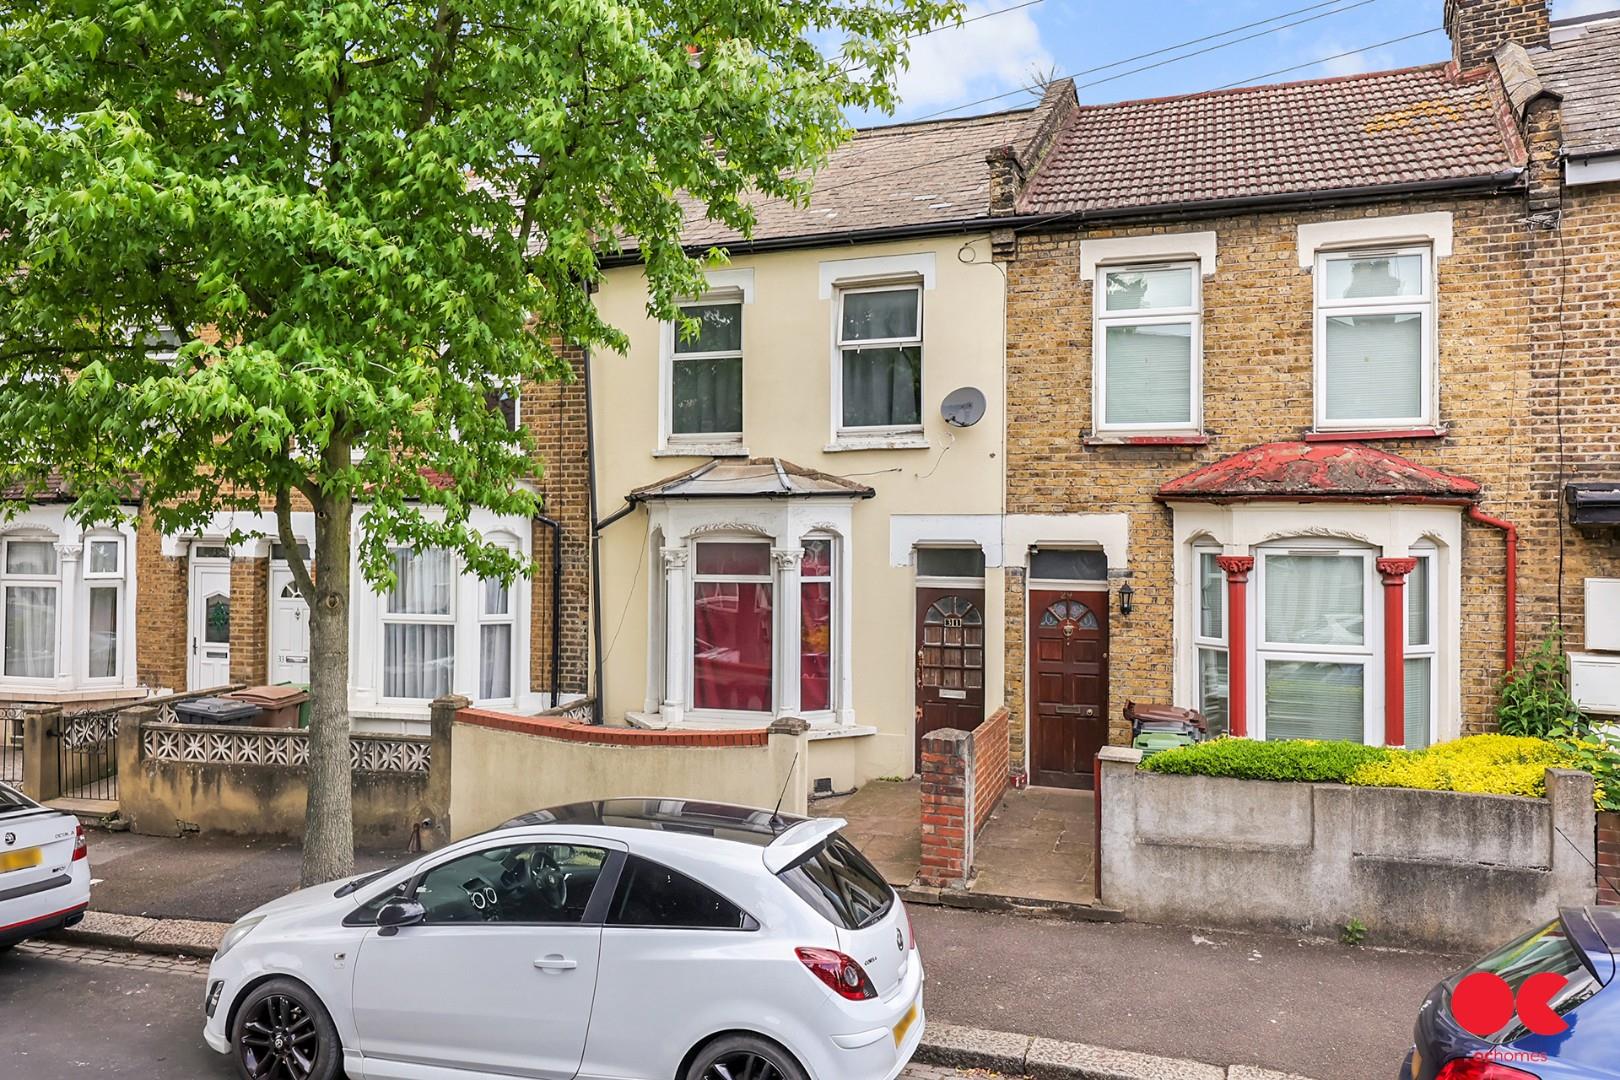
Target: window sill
840, 731
702, 450
1188, 439
1371, 434
847, 443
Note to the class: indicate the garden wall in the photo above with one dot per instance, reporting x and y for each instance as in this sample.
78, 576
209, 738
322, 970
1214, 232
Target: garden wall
1423, 868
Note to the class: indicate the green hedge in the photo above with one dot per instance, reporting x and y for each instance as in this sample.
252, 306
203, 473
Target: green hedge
1297, 760
1484, 764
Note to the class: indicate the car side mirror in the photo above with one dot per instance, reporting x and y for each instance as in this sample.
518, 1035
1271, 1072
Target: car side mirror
397, 914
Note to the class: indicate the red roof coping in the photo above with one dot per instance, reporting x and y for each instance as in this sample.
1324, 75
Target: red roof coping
1347, 472
572, 731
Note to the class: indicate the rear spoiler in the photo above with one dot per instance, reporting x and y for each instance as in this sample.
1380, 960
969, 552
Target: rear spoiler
799, 841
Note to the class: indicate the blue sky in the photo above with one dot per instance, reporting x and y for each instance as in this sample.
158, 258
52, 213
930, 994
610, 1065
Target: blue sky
1001, 53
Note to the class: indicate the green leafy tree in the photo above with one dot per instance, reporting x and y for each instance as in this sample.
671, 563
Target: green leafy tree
359, 218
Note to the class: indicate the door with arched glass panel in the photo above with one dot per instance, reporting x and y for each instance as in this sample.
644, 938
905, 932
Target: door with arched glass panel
950, 660
1068, 680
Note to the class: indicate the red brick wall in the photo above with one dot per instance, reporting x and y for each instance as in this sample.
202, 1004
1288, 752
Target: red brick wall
990, 771
1608, 858
946, 839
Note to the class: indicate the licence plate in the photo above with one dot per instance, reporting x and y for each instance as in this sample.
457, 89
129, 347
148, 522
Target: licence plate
20, 860
904, 1025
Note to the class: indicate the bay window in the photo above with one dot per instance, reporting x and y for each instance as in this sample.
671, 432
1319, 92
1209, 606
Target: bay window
1375, 331
32, 598
495, 637
104, 574
1210, 641
880, 359
705, 374
419, 625
1421, 588
1147, 339
732, 626
816, 625
1313, 649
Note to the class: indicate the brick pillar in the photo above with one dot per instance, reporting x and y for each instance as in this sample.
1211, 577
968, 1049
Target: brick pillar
250, 621
1237, 569
1394, 572
947, 800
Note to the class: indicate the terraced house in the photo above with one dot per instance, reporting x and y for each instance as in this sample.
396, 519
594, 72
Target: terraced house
1291, 372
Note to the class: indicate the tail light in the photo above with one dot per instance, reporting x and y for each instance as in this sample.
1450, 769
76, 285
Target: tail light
1479, 1068
81, 848
841, 973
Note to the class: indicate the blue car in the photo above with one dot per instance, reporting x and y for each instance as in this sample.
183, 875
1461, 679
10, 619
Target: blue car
1583, 946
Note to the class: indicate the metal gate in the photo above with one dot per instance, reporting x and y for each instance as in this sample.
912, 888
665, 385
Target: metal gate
11, 745
87, 755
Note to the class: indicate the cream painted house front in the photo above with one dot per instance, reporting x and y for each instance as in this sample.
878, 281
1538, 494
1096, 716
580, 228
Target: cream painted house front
826, 556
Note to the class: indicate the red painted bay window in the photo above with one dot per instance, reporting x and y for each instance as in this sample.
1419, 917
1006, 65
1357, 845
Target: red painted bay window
816, 625
732, 626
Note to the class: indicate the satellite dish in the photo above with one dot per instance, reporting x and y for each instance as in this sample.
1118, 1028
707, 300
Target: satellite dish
964, 407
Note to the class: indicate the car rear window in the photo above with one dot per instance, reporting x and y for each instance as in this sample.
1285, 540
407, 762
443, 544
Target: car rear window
838, 882
11, 800
1548, 949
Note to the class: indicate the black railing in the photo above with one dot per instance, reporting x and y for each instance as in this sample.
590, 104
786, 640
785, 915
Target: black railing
11, 745
87, 755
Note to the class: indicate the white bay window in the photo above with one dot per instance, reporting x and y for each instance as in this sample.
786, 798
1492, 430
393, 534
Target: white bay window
419, 626
1210, 641
1422, 586
1313, 649
32, 596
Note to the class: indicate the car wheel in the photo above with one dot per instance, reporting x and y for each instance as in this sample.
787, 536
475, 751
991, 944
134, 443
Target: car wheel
282, 1032
736, 1057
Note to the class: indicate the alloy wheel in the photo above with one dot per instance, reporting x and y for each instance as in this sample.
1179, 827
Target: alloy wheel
742, 1065
279, 1040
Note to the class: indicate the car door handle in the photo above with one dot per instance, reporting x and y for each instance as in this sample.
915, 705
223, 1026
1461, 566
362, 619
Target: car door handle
556, 963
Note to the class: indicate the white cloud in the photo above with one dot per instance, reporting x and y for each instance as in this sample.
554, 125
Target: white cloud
1354, 63
1574, 9
960, 63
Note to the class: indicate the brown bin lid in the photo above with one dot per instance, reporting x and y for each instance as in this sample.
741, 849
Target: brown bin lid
271, 697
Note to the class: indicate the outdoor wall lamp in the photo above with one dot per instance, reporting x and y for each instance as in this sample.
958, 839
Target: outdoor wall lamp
1126, 595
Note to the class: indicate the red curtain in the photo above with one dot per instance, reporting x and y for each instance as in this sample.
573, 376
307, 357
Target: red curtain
815, 645
731, 659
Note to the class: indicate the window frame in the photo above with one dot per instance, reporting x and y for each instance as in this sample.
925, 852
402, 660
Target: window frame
1102, 319
1368, 655
407, 886
625, 874
51, 581
1430, 650
694, 440
1202, 642
387, 618
834, 619
1425, 305
841, 291
508, 619
769, 578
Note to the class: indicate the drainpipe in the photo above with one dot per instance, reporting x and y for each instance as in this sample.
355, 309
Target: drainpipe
556, 604
1511, 532
596, 543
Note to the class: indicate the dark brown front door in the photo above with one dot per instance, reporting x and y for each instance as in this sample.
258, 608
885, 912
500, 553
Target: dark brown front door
1068, 676
950, 660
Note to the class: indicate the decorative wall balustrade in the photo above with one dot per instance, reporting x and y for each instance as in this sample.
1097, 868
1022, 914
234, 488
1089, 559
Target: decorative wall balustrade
210, 745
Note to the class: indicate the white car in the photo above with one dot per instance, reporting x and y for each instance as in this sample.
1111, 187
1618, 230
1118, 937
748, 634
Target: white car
44, 869
630, 939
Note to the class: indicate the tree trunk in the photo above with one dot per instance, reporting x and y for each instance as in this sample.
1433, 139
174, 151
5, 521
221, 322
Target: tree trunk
329, 826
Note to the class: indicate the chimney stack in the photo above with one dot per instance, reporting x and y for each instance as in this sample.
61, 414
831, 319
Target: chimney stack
1478, 27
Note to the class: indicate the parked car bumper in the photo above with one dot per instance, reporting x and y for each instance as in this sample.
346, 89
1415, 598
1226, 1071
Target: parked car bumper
61, 904
864, 1045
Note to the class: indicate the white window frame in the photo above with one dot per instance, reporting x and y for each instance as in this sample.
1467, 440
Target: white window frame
835, 623
387, 618
507, 618
1369, 654
1203, 643
1430, 651
778, 640
51, 581
841, 291
1423, 305
104, 579
1102, 319
717, 443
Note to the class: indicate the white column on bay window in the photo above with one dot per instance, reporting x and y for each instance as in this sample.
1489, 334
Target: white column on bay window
788, 561
677, 642
67, 652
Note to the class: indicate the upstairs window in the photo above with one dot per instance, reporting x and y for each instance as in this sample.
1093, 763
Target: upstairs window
706, 402
880, 359
1375, 330
1147, 345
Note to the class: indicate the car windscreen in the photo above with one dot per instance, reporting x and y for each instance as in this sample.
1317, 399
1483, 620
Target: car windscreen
1547, 949
840, 884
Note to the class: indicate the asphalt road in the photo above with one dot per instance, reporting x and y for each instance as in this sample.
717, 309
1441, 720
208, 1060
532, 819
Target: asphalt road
100, 1016
1317, 1009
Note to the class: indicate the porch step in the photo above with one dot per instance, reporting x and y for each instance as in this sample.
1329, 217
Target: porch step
91, 811
1011, 905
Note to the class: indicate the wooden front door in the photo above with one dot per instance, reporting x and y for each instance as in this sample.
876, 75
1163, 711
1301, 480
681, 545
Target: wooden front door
1068, 677
950, 660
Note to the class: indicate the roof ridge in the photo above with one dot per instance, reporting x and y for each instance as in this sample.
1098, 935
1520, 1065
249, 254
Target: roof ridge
1259, 87
899, 126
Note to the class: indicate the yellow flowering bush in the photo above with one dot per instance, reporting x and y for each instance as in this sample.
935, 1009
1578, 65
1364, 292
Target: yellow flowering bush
1482, 764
